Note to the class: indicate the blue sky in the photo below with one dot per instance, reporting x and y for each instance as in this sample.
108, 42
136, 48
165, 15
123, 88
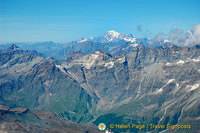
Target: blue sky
64, 20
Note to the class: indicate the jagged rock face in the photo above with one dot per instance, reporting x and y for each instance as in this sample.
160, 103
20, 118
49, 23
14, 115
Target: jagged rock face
132, 67
29, 80
14, 55
147, 85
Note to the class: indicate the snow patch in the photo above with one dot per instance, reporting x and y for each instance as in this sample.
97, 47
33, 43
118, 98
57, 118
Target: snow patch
95, 55
112, 33
196, 60
194, 87
131, 45
87, 61
134, 45
111, 48
180, 62
61, 69
97, 52
109, 64
167, 41
168, 64
177, 85
198, 118
58, 66
171, 80
84, 40
132, 40
160, 90
121, 60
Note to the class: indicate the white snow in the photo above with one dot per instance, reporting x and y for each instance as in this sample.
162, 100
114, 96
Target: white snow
170, 81
125, 48
131, 45
168, 64
196, 60
97, 52
95, 55
110, 40
15, 48
109, 64
61, 68
134, 45
112, 33
166, 41
132, 40
190, 33
121, 60
58, 66
87, 61
84, 40
177, 85
194, 87
180, 62
160, 90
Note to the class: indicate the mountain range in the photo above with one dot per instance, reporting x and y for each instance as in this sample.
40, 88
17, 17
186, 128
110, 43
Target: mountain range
114, 79
22, 120
112, 42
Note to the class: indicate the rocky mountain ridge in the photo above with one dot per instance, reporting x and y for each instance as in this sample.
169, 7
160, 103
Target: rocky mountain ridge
142, 86
144, 79
112, 42
24, 120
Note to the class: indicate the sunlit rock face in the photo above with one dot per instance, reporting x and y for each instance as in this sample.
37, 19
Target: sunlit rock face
146, 85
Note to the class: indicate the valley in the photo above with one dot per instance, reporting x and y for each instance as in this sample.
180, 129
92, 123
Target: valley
145, 86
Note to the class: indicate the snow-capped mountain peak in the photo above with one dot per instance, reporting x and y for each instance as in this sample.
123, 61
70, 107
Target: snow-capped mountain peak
83, 40
112, 33
113, 36
110, 36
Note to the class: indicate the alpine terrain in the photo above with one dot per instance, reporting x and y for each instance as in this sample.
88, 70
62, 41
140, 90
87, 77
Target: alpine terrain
112, 79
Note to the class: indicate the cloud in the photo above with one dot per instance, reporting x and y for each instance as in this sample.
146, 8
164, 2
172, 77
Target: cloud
159, 37
181, 38
139, 28
177, 36
157, 40
193, 36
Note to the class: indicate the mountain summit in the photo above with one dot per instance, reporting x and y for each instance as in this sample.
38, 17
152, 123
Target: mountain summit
12, 48
112, 34
110, 37
145, 85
